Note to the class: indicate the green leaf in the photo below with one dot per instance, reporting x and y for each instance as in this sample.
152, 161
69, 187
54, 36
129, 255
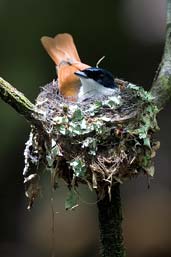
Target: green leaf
83, 124
74, 129
49, 160
99, 126
62, 130
91, 143
146, 161
71, 201
142, 132
97, 104
147, 142
87, 142
77, 115
79, 167
94, 108
112, 102
60, 120
147, 96
55, 149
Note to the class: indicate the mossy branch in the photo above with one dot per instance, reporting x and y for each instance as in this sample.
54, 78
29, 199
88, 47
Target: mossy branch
161, 88
19, 102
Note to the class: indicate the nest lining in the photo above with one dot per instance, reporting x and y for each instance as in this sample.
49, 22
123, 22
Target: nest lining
99, 141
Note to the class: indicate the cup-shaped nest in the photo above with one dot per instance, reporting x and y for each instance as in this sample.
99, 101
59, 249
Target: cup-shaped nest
100, 141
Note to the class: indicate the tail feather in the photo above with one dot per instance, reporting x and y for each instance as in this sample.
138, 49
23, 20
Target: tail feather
61, 48
63, 52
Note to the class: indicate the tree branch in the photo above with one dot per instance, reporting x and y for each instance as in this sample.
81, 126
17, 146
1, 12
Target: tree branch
110, 223
161, 88
19, 102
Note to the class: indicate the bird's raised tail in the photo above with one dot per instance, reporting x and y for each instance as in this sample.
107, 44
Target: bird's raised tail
61, 48
63, 52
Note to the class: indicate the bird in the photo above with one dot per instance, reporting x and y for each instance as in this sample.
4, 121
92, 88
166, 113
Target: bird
63, 52
77, 81
95, 82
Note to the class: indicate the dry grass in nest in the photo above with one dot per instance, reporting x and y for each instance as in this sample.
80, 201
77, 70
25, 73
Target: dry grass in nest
99, 141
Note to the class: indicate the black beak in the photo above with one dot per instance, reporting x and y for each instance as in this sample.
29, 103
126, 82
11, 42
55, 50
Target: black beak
80, 74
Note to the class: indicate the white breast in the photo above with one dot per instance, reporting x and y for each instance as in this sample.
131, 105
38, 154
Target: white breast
90, 88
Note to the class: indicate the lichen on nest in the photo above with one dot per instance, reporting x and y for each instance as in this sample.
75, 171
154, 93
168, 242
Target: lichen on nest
99, 141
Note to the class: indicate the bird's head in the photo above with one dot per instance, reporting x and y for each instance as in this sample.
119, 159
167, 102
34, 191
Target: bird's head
95, 82
99, 75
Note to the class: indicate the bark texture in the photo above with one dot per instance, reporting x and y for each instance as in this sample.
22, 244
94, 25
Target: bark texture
110, 222
161, 88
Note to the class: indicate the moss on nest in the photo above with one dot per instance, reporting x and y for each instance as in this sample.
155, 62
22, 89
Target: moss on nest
99, 141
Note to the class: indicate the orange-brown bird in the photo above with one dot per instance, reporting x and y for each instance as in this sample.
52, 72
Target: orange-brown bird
63, 52
76, 81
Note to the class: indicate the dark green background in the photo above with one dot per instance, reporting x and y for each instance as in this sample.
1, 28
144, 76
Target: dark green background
99, 28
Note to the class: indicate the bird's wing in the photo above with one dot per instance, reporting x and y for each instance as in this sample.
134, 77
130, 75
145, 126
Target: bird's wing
69, 83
